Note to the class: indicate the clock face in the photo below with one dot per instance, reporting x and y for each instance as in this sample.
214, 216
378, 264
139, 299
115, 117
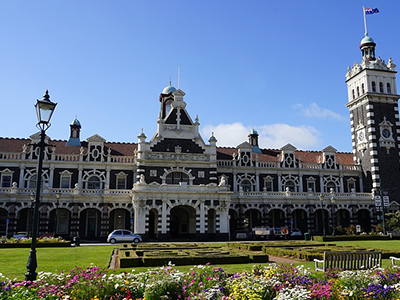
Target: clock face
361, 136
386, 133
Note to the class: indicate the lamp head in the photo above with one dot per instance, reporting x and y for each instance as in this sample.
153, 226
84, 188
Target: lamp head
44, 111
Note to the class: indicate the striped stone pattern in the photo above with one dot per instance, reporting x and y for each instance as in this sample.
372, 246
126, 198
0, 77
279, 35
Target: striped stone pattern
217, 223
198, 223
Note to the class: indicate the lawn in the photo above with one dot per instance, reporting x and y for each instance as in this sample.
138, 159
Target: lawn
13, 261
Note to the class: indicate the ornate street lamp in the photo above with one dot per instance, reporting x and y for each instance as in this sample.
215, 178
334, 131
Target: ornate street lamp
44, 111
321, 198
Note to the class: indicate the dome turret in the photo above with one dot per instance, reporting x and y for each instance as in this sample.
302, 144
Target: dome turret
367, 47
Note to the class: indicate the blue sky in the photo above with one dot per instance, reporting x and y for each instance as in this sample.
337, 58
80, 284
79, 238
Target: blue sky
276, 66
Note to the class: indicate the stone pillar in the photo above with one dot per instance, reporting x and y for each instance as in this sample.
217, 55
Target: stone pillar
75, 220
104, 224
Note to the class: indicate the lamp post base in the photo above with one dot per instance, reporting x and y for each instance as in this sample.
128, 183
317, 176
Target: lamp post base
31, 274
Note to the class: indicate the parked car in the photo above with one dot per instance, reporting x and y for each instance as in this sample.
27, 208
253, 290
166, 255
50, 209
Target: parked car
21, 235
295, 233
243, 235
123, 236
46, 235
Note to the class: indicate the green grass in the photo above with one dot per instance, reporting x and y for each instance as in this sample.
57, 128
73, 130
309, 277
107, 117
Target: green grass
383, 244
13, 261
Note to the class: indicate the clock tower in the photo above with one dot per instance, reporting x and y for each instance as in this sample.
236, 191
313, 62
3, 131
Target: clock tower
374, 120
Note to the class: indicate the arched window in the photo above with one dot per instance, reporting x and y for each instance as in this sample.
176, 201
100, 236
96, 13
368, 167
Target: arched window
176, 178
94, 183
389, 90
354, 95
358, 91
373, 84
362, 88
291, 185
32, 182
246, 185
330, 185
380, 87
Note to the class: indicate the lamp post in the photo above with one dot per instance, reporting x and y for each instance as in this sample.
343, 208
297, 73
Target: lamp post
44, 111
58, 195
333, 213
321, 198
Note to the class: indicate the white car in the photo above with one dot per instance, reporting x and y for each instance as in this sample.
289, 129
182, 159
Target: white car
123, 236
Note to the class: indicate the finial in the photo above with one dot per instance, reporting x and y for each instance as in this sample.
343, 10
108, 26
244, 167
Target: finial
170, 80
46, 96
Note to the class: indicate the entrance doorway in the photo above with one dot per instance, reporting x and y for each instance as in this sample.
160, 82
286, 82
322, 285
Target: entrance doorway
183, 222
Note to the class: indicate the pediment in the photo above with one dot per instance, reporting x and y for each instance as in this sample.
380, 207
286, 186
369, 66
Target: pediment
244, 145
329, 149
96, 139
288, 147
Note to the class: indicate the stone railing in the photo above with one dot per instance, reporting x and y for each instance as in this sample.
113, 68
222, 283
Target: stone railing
303, 195
66, 157
276, 165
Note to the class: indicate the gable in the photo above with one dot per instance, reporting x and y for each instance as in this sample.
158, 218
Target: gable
173, 115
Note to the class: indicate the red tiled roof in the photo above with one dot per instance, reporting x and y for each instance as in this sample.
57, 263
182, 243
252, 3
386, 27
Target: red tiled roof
272, 155
15, 145
127, 149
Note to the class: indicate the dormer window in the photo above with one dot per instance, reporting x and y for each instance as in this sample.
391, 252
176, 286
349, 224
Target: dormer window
373, 84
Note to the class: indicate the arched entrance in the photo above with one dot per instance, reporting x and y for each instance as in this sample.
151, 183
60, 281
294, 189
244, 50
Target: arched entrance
89, 224
24, 220
59, 222
276, 218
233, 222
183, 222
342, 218
3, 218
299, 220
153, 224
321, 221
252, 218
119, 219
364, 220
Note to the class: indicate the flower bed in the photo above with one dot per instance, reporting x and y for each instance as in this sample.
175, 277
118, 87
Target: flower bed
204, 282
26, 242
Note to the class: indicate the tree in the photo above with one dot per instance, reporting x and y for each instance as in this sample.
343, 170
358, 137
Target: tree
393, 221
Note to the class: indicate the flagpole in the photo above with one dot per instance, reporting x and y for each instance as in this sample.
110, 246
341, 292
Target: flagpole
365, 22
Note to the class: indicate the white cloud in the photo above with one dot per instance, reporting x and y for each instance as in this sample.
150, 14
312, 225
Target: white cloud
314, 111
272, 136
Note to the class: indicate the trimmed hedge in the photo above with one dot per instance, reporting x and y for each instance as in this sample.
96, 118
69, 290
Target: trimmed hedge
350, 238
160, 254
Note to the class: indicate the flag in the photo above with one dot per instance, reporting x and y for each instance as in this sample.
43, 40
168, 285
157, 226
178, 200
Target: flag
371, 11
